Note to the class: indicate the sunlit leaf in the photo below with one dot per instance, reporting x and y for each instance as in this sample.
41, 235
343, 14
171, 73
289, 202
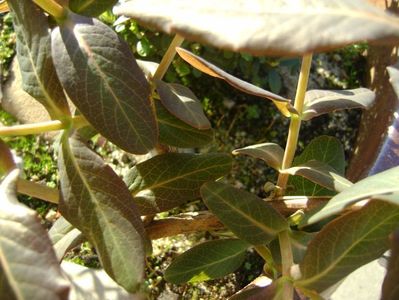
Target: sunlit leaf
267, 27
250, 218
347, 243
390, 287
383, 186
28, 266
183, 104
318, 102
178, 179
209, 260
4, 6
91, 8
326, 149
97, 202
39, 77
322, 174
201, 64
271, 153
64, 237
93, 284
174, 132
103, 80
394, 78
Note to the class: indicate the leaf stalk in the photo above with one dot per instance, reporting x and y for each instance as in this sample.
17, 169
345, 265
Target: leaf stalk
295, 124
53, 8
168, 57
42, 127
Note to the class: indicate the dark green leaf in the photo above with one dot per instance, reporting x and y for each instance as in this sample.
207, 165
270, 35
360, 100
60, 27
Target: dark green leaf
268, 27
100, 75
347, 243
7, 162
209, 260
39, 77
201, 64
390, 287
97, 202
322, 174
325, 149
28, 266
271, 153
247, 216
93, 284
91, 8
318, 102
383, 186
183, 104
177, 179
176, 133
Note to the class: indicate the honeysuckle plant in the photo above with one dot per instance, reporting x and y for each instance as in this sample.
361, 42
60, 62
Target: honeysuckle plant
128, 102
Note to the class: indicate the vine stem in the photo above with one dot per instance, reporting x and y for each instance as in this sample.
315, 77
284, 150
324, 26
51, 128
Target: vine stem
53, 8
284, 239
42, 127
295, 124
168, 57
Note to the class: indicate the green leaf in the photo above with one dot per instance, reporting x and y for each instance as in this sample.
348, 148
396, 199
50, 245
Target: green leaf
176, 133
201, 64
247, 216
97, 202
91, 8
93, 284
325, 149
39, 78
271, 153
347, 243
390, 286
103, 80
209, 260
318, 102
59, 229
183, 104
177, 179
382, 186
7, 162
268, 27
322, 174
28, 266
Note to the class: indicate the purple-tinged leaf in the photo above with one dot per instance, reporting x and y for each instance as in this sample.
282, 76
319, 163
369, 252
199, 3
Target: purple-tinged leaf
271, 153
250, 218
102, 78
267, 27
29, 268
39, 78
318, 102
201, 64
178, 181
183, 104
97, 202
346, 244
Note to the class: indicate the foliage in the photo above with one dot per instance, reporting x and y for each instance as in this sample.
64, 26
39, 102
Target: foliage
127, 102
